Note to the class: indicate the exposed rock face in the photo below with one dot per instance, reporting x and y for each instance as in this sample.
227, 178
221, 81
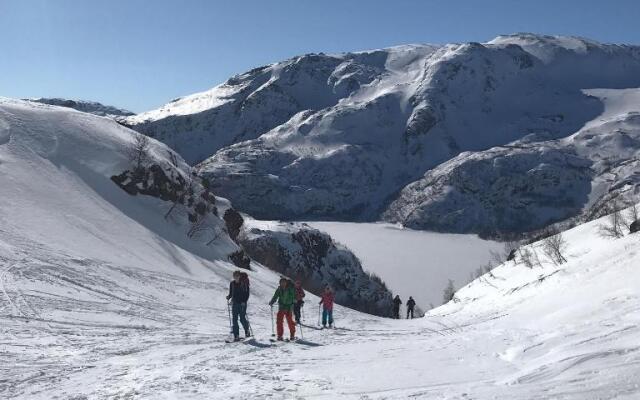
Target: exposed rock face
240, 259
168, 185
504, 190
90, 107
634, 227
234, 221
300, 252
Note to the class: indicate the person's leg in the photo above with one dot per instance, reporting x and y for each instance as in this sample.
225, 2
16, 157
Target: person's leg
243, 318
330, 316
296, 311
325, 315
292, 325
235, 310
279, 323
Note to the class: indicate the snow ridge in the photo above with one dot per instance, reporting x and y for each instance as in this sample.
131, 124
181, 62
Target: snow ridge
90, 107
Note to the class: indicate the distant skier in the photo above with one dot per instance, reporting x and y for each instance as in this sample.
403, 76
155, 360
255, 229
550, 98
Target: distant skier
299, 301
411, 304
285, 295
327, 307
239, 295
396, 307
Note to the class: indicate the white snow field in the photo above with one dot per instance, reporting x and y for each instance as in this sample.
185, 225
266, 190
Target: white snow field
100, 298
413, 263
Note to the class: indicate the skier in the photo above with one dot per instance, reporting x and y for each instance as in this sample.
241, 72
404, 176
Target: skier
411, 304
286, 296
396, 307
299, 301
327, 307
239, 295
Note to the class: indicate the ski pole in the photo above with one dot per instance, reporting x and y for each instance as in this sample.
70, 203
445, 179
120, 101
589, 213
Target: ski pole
229, 312
248, 322
301, 334
319, 314
302, 310
273, 333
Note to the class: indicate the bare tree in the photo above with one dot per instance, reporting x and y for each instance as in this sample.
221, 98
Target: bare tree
554, 247
198, 226
632, 213
526, 256
217, 233
613, 225
536, 259
138, 153
487, 269
173, 206
505, 254
449, 292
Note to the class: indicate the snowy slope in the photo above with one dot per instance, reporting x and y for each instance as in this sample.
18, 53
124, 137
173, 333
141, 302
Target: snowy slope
90, 275
91, 107
413, 263
97, 302
360, 151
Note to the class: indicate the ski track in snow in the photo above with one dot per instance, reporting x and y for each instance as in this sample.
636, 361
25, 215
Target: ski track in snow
159, 347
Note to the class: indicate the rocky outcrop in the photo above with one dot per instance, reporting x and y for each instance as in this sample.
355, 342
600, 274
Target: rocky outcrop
502, 191
168, 185
233, 221
90, 107
240, 259
300, 252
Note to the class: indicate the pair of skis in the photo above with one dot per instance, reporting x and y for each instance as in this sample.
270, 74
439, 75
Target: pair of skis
272, 342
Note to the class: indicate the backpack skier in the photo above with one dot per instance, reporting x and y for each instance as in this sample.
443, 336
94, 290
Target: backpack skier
327, 307
411, 304
297, 306
239, 295
285, 295
396, 307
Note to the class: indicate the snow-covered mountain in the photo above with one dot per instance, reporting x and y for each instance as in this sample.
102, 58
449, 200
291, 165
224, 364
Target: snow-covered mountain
91, 107
370, 135
104, 294
528, 185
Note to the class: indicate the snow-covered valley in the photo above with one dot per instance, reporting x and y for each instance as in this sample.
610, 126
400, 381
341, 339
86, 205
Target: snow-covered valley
413, 263
102, 298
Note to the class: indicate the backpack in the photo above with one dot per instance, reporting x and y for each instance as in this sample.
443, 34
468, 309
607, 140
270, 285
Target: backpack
244, 279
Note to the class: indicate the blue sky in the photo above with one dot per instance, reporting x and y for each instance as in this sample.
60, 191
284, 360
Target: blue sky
140, 54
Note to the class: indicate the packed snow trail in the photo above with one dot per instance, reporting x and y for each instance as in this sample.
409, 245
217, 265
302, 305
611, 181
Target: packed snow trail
101, 298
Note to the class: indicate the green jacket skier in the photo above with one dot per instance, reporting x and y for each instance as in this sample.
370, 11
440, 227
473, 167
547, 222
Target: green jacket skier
285, 295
